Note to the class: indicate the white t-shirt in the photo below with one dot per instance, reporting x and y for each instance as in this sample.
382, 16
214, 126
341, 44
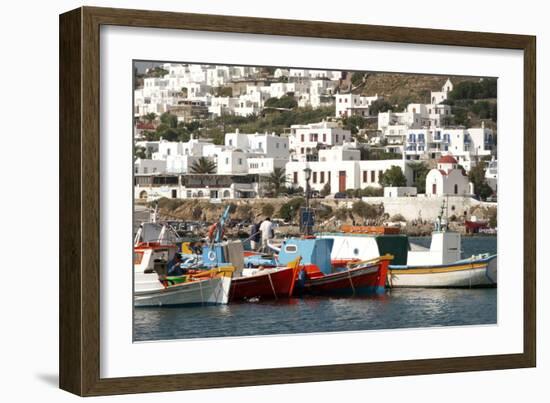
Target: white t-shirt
266, 228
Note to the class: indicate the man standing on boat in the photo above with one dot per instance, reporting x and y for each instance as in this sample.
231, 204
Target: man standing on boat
266, 228
255, 235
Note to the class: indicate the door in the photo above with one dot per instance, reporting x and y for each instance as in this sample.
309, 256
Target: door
434, 188
342, 181
174, 193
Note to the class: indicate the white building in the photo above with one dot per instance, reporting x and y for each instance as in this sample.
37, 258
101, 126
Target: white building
448, 179
437, 97
146, 166
354, 104
343, 174
466, 145
491, 174
269, 144
400, 191
305, 140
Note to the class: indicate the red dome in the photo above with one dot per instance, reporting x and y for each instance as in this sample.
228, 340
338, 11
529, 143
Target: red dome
447, 159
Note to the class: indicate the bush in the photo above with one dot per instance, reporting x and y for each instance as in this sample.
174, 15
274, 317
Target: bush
168, 204
371, 191
268, 210
365, 210
290, 209
397, 218
341, 214
325, 191
244, 212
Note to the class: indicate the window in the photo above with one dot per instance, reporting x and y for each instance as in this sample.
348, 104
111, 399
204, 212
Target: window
380, 173
324, 137
372, 178
456, 189
434, 188
230, 142
365, 176
145, 170
314, 177
291, 249
240, 161
295, 177
227, 160
302, 137
322, 178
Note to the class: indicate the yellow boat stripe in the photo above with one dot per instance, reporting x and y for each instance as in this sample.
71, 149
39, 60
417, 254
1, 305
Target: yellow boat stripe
429, 270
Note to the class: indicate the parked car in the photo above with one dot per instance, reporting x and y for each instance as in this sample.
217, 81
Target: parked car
340, 195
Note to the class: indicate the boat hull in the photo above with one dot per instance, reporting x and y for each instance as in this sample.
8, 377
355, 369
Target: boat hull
362, 280
210, 291
481, 273
264, 284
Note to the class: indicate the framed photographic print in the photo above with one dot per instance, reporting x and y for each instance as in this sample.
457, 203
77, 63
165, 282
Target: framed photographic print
249, 201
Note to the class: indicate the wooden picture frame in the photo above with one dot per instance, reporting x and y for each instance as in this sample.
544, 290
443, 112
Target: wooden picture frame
80, 190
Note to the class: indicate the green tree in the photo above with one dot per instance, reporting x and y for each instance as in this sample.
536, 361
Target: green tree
486, 88
380, 105
354, 123
420, 171
140, 152
276, 180
290, 209
203, 166
284, 102
477, 177
357, 78
150, 117
393, 177
325, 191
169, 119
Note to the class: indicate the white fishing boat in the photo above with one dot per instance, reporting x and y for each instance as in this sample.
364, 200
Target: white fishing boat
153, 248
207, 288
474, 272
440, 265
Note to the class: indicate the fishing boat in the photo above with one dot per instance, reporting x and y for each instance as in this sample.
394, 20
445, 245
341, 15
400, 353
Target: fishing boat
468, 273
265, 283
154, 246
256, 282
440, 265
320, 277
197, 289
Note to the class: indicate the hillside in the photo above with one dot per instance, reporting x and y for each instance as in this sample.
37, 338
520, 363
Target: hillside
402, 89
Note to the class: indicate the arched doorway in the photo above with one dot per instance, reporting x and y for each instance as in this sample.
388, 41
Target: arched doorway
143, 194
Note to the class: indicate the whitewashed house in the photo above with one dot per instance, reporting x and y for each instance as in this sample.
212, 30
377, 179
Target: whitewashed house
354, 104
342, 169
448, 179
466, 145
147, 166
305, 140
437, 97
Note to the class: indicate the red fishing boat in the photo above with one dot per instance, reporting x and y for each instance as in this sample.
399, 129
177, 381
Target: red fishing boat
360, 279
320, 277
270, 283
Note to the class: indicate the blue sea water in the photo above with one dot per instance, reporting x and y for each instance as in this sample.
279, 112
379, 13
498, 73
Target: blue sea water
398, 308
